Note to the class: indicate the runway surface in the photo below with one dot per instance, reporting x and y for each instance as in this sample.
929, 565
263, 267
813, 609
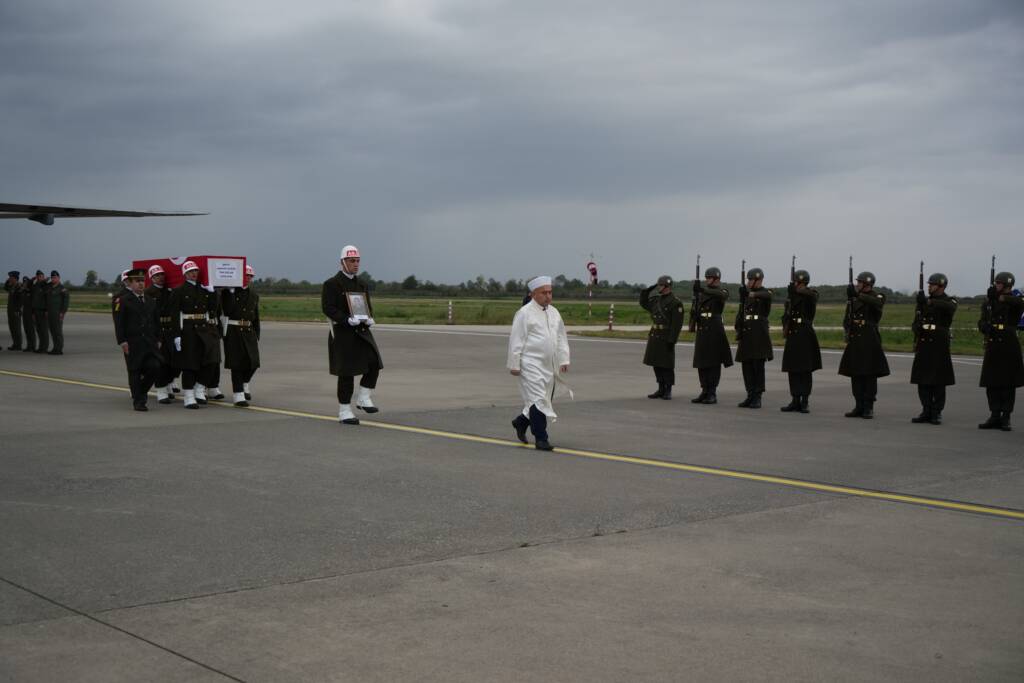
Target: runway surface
662, 541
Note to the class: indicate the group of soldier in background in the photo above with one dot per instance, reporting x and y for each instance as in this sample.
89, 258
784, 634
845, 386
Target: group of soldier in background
166, 334
863, 359
36, 306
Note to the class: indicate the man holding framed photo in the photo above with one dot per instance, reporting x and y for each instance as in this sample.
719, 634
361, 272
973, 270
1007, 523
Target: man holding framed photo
351, 347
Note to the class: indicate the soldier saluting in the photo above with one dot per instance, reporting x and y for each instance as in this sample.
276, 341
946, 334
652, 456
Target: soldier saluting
754, 347
802, 354
711, 350
666, 323
1002, 369
863, 358
137, 329
932, 371
241, 310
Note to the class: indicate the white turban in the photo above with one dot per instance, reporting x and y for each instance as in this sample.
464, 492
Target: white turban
539, 281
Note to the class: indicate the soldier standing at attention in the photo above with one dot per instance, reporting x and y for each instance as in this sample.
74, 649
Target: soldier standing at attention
754, 344
137, 328
39, 292
666, 323
241, 309
1002, 369
57, 299
351, 347
27, 314
161, 296
863, 359
711, 350
802, 354
196, 339
13, 287
932, 371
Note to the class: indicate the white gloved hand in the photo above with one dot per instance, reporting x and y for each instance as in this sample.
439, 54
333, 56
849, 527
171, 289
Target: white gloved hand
369, 322
177, 343
208, 288
353, 322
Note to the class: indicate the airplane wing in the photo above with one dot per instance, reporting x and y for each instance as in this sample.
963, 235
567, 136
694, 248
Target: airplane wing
46, 214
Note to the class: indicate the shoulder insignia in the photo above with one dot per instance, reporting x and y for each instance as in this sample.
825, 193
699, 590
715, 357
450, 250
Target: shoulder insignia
680, 309
117, 305
880, 296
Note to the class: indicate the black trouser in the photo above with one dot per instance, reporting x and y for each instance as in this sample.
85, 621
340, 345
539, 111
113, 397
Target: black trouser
204, 375
538, 422
710, 377
346, 384
56, 327
42, 329
141, 380
14, 323
167, 374
933, 397
753, 376
865, 387
28, 322
1001, 399
239, 376
800, 383
666, 376
214, 377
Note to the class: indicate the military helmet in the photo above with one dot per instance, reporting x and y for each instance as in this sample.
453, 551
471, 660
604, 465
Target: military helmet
802, 276
1006, 278
755, 274
938, 279
866, 276
664, 281
713, 272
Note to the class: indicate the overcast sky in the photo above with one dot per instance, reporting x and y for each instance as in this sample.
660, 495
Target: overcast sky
450, 138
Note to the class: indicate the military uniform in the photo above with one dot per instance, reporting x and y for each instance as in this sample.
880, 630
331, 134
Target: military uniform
137, 322
754, 343
666, 323
13, 288
28, 321
932, 370
802, 353
863, 358
711, 350
39, 292
1002, 369
241, 310
57, 299
193, 310
162, 297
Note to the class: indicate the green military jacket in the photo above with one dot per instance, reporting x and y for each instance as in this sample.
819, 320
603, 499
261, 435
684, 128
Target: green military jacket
666, 323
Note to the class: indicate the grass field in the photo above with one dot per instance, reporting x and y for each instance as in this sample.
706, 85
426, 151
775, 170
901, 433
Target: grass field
966, 340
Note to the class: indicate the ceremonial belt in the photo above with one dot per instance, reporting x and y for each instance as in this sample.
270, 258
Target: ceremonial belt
752, 317
710, 315
931, 326
240, 323
195, 316
998, 326
861, 323
796, 320
166, 318
657, 327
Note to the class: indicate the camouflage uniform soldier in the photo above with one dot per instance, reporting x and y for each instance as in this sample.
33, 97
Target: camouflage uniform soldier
802, 355
932, 371
754, 344
863, 359
57, 300
711, 350
13, 289
39, 291
666, 323
1002, 370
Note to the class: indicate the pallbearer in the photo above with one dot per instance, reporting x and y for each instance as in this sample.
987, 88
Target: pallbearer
754, 344
802, 354
1002, 370
666, 323
241, 314
863, 359
932, 371
196, 338
137, 329
711, 350
161, 295
351, 346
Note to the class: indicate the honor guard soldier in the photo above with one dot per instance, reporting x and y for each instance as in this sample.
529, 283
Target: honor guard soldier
39, 292
137, 328
196, 339
754, 344
13, 288
28, 322
161, 295
863, 359
711, 350
241, 315
57, 299
351, 347
802, 353
932, 371
1002, 369
666, 323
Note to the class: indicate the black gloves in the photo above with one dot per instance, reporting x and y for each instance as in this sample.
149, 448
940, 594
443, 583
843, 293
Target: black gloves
791, 289
697, 287
991, 293
922, 299
851, 292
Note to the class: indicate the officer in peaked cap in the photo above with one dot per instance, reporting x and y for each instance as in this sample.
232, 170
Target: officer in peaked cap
666, 322
137, 329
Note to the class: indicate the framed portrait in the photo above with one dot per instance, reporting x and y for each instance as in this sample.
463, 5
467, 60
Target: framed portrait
357, 306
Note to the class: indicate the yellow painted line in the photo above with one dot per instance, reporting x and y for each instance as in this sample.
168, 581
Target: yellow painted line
889, 496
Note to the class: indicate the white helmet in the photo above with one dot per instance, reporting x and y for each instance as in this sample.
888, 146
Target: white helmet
124, 275
349, 251
155, 269
187, 266
250, 271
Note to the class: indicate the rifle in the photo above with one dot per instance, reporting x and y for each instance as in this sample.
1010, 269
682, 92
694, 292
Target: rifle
849, 304
696, 299
918, 310
985, 324
789, 301
992, 272
739, 312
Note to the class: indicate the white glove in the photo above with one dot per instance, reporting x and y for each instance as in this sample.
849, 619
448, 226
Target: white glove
369, 322
353, 322
177, 343
208, 288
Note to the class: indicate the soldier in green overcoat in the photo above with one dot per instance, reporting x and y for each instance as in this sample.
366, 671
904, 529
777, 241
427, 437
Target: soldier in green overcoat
57, 299
666, 322
932, 370
754, 344
863, 358
1002, 369
711, 350
39, 287
13, 288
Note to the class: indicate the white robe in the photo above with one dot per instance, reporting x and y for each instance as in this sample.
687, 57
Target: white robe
537, 347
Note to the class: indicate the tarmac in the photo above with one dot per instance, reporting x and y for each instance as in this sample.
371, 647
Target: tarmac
661, 541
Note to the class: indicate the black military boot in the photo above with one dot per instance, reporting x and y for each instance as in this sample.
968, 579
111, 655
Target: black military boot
1004, 422
755, 400
659, 393
857, 411
667, 395
700, 399
521, 424
794, 405
745, 403
867, 413
993, 422
711, 398
925, 416
804, 407
936, 418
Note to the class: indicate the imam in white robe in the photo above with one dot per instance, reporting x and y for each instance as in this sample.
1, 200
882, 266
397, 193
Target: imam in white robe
537, 347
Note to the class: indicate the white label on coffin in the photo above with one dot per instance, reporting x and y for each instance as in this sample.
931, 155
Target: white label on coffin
225, 272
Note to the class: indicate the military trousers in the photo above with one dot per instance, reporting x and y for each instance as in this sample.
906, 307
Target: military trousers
347, 384
167, 374
239, 377
56, 326
14, 324
28, 322
753, 376
1001, 399
800, 383
865, 387
140, 381
710, 377
205, 375
42, 329
933, 397
666, 376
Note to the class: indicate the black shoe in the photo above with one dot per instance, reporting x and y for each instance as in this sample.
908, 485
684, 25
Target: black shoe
1004, 423
699, 399
14, 348
28, 349
924, 417
202, 401
520, 424
165, 401
544, 446
868, 413
667, 396
351, 421
40, 351
54, 353
711, 399
755, 401
175, 390
858, 411
242, 404
248, 396
936, 418
218, 397
192, 406
368, 409
793, 406
745, 403
991, 423
805, 404
659, 393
